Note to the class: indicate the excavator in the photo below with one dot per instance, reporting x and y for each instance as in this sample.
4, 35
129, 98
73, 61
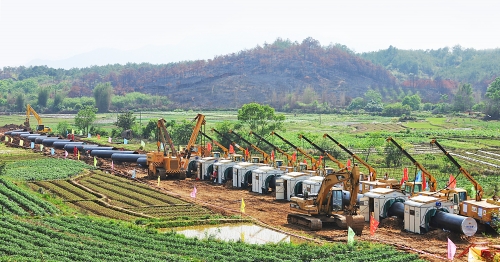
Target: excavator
328, 205
336, 161
410, 186
40, 128
223, 148
162, 163
288, 156
232, 143
315, 163
266, 156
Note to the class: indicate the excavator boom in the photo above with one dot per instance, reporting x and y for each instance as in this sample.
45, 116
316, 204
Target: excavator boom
313, 160
164, 137
288, 156
373, 172
200, 121
336, 161
477, 186
266, 156
40, 127
223, 148
432, 181
231, 143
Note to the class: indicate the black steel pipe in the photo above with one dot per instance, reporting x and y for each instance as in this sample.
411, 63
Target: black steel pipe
40, 139
17, 130
397, 209
91, 148
26, 135
49, 142
108, 153
61, 144
32, 137
19, 133
126, 157
455, 223
142, 161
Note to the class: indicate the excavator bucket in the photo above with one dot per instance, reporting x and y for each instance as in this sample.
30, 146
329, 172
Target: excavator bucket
357, 223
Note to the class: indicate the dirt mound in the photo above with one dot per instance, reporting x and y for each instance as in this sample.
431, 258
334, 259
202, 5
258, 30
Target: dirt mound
391, 222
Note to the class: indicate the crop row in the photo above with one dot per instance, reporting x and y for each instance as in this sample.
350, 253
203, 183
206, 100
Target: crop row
173, 211
18, 202
143, 190
84, 239
45, 169
68, 194
94, 207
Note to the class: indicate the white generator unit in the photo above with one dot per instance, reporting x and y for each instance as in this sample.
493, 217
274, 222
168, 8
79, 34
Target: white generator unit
312, 185
242, 174
421, 213
223, 170
205, 167
264, 178
290, 184
383, 202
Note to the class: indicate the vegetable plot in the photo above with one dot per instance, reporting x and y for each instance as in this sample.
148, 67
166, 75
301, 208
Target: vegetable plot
85, 239
45, 169
15, 201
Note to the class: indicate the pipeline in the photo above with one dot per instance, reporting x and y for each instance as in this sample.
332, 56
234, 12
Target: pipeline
108, 153
61, 144
35, 136
397, 209
126, 157
50, 141
453, 222
142, 161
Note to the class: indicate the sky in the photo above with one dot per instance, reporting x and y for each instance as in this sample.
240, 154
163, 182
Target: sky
53, 30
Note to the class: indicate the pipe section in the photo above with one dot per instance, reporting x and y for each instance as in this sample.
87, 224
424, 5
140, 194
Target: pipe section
455, 223
142, 161
108, 153
397, 209
50, 141
126, 157
61, 144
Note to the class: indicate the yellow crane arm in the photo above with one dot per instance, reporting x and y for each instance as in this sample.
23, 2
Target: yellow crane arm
223, 148
266, 156
477, 186
288, 156
373, 172
164, 137
29, 111
314, 161
432, 181
336, 161
200, 121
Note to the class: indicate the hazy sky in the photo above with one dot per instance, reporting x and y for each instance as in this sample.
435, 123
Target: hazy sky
59, 29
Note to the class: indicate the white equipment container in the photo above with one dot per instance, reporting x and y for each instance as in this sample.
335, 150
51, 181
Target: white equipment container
378, 201
205, 167
223, 169
242, 174
264, 178
290, 185
312, 185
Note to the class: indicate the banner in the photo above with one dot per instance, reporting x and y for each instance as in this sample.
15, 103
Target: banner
88, 135
65, 153
125, 141
143, 144
52, 151
373, 224
193, 193
452, 249
350, 236
158, 181
95, 161
21, 142
209, 147
133, 173
109, 139
32, 145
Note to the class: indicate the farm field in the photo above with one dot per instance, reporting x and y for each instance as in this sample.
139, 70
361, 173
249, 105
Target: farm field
473, 145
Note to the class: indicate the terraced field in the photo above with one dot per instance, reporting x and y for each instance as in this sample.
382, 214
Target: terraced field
14, 200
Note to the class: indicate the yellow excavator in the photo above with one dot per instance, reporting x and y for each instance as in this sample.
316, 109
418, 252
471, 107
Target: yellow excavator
40, 128
328, 206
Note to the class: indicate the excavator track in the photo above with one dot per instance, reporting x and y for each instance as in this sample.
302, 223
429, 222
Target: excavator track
312, 223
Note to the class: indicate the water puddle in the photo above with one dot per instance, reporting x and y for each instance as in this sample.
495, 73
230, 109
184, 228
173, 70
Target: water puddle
247, 233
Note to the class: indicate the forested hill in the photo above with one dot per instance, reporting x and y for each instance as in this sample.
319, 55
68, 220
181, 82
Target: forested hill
284, 74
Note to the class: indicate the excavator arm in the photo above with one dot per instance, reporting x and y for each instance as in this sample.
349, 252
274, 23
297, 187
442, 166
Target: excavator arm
313, 160
200, 121
477, 186
40, 127
223, 148
288, 156
232, 143
373, 172
431, 180
339, 164
163, 137
267, 157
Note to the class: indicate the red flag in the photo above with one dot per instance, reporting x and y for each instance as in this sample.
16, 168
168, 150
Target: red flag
452, 249
209, 147
272, 155
305, 161
452, 182
349, 164
424, 183
113, 166
246, 152
373, 225
294, 157
405, 176
320, 158
74, 151
231, 149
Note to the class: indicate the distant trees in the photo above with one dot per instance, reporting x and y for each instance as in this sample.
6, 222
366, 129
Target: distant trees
493, 103
20, 102
85, 118
43, 97
102, 95
463, 100
260, 118
126, 120
412, 101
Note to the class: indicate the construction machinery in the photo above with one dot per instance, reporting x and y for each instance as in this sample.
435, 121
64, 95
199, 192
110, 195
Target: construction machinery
243, 151
373, 172
315, 163
288, 156
223, 148
163, 163
411, 186
40, 128
266, 157
332, 158
330, 205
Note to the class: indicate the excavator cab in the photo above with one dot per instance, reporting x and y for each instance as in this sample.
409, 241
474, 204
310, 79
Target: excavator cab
256, 159
413, 187
336, 199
